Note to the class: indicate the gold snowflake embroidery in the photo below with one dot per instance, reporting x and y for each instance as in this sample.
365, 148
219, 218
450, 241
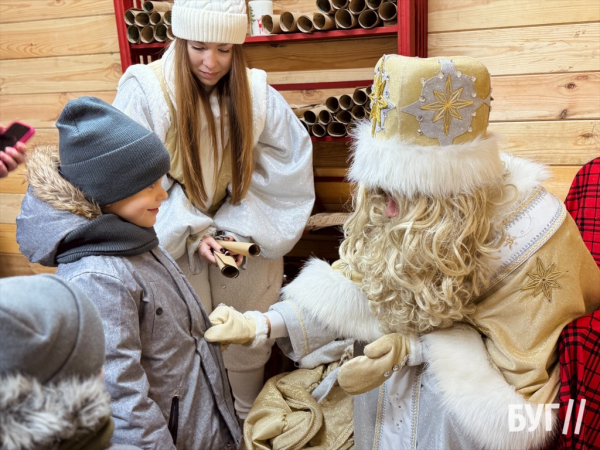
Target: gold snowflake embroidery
448, 105
510, 241
378, 101
544, 280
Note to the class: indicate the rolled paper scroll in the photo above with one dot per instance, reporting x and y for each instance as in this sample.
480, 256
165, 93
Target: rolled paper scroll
343, 116
152, 6
357, 6
305, 24
133, 34
360, 96
167, 17
374, 4
160, 33
142, 19
345, 19
388, 11
226, 265
300, 110
323, 22
325, 6
346, 102
270, 23
130, 15
358, 112
147, 34
310, 117
170, 35
339, 4
318, 130
336, 129
256, 10
332, 104
288, 21
323, 116
248, 249
157, 18
369, 19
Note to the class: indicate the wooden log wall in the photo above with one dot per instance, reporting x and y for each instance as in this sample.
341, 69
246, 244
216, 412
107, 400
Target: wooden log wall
51, 51
544, 56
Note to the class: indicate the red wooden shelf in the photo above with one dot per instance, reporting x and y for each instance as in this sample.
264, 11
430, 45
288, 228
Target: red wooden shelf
330, 139
323, 35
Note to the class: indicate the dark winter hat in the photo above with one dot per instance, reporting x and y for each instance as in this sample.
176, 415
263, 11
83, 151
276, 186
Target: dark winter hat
105, 153
49, 329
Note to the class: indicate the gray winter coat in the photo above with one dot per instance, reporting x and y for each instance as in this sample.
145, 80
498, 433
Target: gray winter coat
153, 321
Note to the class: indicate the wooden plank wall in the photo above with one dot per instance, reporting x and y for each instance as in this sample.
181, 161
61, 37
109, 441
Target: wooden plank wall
51, 51
544, 56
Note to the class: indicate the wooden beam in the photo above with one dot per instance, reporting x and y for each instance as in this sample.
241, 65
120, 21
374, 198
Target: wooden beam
10, 207
457, 15
81, 73
320, 76
59, 37
527, 50
27, 10
42, 110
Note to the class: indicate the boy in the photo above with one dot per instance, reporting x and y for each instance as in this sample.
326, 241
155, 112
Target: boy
91, 210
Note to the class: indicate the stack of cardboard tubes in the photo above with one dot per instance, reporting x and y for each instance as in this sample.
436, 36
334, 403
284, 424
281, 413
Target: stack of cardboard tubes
150, 24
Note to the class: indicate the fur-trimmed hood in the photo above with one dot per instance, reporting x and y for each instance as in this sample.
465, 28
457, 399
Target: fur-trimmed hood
36, 416
51, 209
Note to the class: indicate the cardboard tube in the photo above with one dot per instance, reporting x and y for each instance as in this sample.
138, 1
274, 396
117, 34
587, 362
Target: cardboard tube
325, 6
388, 11
170, 35
147, 34
369, 19
310, 117
300, 110
357, 6
167, 17
358, 112
321, 114
130, 15
241, 248
369, 89
350, 127
305, 125
226, 265
336, 129
305, 24
343, 116
323, 22
338, 4
152, 6
332, 104
288, 21
160, 33
256, 10
157, 18
345, 19
374, 4
346, 102
133, 34
142, 19
360, 96
270, 23
390, 23
318, 130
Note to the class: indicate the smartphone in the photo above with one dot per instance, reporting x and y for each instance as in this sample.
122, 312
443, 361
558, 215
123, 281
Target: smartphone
15, 132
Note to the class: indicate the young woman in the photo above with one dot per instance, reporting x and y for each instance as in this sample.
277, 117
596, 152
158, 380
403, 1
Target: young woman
241, 164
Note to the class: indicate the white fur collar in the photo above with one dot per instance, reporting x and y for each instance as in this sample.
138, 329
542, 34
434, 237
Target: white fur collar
335, 301
409, 169
475, 393
33, 415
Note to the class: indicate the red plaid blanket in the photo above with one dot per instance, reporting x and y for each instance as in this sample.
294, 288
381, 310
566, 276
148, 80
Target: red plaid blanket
583, 202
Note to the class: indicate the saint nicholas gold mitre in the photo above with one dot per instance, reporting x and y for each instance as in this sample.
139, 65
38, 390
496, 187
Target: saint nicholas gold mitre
427, 132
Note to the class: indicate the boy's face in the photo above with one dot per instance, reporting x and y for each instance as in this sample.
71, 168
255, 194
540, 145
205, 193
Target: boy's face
141, 208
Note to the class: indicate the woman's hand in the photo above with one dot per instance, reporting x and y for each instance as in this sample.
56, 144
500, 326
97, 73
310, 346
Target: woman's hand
208, 245
11, 157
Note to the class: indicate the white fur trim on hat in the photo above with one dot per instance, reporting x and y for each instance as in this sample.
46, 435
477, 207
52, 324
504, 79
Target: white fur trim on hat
221, 21
409, 169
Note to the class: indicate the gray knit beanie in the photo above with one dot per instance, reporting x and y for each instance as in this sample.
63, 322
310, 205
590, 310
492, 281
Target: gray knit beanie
105, 153
49, 329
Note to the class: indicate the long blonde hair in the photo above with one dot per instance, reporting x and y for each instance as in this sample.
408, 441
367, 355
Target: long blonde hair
423, 269
233, 93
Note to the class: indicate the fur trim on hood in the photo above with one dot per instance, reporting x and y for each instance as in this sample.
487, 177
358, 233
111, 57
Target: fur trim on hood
36, 416
49, 186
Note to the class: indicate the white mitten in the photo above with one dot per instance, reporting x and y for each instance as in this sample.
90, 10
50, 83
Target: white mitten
386, 355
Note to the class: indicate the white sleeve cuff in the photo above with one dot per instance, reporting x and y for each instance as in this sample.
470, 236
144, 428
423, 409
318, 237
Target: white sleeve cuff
262, 329
416, 356
278, 327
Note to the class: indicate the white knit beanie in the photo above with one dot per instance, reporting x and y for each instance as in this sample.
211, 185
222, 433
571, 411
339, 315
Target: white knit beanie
221, 21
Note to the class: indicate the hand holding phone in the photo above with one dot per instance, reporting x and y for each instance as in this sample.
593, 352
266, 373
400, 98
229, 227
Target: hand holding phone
12, 146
